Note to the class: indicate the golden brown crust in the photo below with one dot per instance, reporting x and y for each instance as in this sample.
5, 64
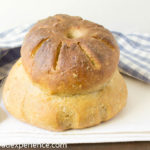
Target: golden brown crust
62, 53
31, 104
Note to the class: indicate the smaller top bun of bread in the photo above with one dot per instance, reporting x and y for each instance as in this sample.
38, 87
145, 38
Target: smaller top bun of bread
68, 55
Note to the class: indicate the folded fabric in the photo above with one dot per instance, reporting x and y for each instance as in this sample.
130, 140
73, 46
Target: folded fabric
134, 52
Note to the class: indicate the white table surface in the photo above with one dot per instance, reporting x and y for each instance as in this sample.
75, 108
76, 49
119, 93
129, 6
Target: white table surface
131, 124
119, 15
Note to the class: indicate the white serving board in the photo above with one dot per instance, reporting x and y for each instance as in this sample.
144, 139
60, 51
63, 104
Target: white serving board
131, 124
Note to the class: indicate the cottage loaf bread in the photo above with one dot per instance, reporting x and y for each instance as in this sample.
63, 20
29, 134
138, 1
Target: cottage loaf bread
67, 76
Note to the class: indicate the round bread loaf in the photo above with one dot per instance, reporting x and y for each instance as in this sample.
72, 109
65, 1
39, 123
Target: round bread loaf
69, 55
67, 76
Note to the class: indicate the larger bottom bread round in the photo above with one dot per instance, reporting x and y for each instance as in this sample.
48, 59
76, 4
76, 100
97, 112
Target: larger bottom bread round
29, 103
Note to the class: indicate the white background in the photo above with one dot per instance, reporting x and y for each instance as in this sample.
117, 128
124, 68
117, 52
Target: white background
119, 15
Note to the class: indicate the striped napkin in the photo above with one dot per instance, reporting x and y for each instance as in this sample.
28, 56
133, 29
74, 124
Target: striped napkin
134, 52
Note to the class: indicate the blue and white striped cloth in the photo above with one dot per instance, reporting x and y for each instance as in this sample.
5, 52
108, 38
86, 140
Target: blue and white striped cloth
134, 52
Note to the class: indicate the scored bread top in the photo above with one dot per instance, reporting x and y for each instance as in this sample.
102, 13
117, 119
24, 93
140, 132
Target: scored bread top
68, 55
